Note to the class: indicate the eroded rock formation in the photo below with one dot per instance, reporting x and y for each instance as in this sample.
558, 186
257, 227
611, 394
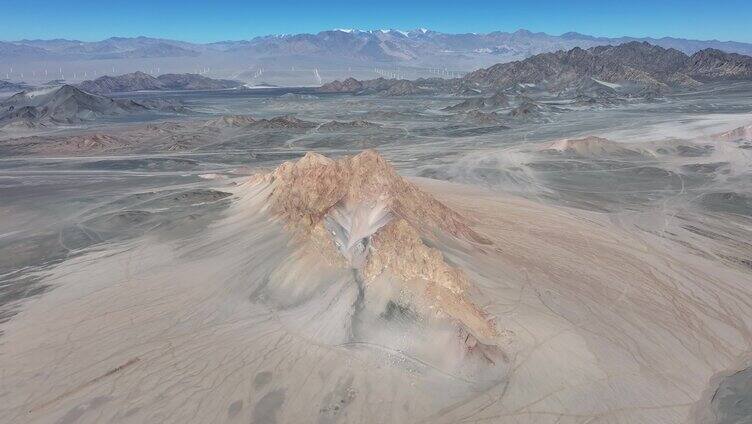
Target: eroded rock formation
359, 211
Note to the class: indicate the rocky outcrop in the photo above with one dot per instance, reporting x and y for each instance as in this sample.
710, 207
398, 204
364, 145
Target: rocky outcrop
359, 212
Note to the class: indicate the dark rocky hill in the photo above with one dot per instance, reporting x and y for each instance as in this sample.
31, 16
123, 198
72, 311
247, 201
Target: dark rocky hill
139, 81
714, 65
388, 87
61, 105
639, 63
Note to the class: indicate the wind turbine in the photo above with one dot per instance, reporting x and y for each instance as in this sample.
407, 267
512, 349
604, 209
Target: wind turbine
316, 74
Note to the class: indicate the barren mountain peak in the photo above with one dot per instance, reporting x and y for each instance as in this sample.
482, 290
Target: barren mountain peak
314, 184
362, 208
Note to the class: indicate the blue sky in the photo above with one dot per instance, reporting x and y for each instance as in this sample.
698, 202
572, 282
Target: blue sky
232, 20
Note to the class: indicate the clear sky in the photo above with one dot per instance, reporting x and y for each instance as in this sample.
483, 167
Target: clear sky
233, 20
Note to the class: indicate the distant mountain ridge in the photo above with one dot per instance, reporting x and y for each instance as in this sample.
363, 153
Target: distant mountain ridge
111, 48
634, 68
12, 86
140, 81
420, 46
642, 63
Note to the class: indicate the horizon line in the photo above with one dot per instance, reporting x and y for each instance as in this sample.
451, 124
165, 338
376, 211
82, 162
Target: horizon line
350, 30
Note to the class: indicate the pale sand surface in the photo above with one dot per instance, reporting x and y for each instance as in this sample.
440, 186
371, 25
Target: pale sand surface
240, 325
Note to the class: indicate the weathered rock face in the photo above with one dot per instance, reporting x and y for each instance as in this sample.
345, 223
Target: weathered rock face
360, 212
715, 65
655, 60
306, 190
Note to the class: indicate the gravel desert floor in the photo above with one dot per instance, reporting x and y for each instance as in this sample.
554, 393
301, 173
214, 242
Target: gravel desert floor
286, 256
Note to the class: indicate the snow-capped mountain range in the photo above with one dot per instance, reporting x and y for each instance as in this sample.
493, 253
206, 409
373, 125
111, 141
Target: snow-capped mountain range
374, 45
298, 58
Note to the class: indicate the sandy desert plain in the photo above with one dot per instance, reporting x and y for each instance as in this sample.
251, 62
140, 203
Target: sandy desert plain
287, 256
